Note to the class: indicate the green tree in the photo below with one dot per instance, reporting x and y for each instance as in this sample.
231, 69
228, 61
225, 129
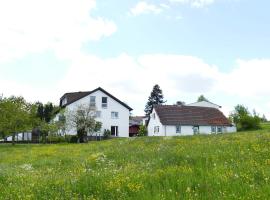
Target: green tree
202, 98
15, 116
244, 120
142, 131
156, 98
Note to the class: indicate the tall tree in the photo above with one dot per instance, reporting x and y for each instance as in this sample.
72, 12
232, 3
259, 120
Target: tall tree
156, 98
202, 98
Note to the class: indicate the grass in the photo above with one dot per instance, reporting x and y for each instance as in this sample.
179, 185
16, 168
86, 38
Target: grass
229, 166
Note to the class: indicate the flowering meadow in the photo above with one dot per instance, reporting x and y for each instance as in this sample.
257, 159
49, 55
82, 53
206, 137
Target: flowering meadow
228, 166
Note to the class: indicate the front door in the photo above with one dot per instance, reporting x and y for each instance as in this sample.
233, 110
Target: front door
114, 131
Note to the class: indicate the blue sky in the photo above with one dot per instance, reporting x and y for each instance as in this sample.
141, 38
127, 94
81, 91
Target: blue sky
219, 48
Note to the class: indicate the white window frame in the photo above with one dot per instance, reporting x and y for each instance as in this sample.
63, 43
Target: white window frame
114, 115
98, 114
219, 127
104, 105
178, 129
213, 127
93, 104
156, 129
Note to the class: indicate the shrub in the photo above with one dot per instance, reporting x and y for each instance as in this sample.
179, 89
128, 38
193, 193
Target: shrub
106, 134
56, 139
249, 123
73, 139
142, 131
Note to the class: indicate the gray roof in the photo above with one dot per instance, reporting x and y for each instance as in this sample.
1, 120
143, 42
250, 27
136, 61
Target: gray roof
75, 96
191, 115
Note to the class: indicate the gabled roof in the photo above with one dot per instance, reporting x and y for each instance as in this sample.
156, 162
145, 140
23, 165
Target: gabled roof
136, 120
191, 115
75, 96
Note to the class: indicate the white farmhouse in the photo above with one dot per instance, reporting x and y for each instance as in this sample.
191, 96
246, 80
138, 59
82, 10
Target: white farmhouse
110, 111
175, 120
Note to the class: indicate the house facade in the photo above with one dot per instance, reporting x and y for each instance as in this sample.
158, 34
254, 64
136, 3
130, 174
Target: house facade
109, 110
174, 120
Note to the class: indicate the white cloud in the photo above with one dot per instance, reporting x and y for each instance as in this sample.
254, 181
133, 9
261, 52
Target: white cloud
36, 25
249, 78
194, 3
143, 7
180, 77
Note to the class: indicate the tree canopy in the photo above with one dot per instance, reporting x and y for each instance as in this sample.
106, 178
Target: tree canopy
156, 98
202, 98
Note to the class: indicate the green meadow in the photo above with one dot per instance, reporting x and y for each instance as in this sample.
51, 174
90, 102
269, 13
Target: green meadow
227, 166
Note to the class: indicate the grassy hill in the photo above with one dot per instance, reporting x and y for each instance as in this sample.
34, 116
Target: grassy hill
229, 166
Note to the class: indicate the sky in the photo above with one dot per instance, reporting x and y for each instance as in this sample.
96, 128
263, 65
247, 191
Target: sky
218, 48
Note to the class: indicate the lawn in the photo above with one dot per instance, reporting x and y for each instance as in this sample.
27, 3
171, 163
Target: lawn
229, 166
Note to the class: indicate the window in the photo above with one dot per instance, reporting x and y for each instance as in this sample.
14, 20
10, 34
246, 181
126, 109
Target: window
114, 115
196, 130
213, 129
156, 129
178, 129
98, 114
154, 116
219, 129
92, 101
104, 102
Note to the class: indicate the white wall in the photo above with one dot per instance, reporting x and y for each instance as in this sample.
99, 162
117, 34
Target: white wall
204, 104
155, 122
113, 106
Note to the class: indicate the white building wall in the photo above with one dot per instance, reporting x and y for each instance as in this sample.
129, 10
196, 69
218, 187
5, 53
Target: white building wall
113, 106
154, 122
204, 104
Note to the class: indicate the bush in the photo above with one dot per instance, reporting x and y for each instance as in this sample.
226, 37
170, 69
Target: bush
142, 131
249, 123
73, 139
56, 139
107, 134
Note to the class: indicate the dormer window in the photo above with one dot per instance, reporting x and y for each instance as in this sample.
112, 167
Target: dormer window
104, 102
92, 101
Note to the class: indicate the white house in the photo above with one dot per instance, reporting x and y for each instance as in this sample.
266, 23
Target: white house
175, 120
110, 111
205, 104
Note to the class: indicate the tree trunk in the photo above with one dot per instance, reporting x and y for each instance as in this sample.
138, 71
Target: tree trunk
13, 138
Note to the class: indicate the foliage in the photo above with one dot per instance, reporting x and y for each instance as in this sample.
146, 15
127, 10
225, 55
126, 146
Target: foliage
227, 166
244, 120
15, 116
106, 134
142, 131
56, 139
74, 139
155, 98
98, 127
263, 119
83, 118
202, 98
